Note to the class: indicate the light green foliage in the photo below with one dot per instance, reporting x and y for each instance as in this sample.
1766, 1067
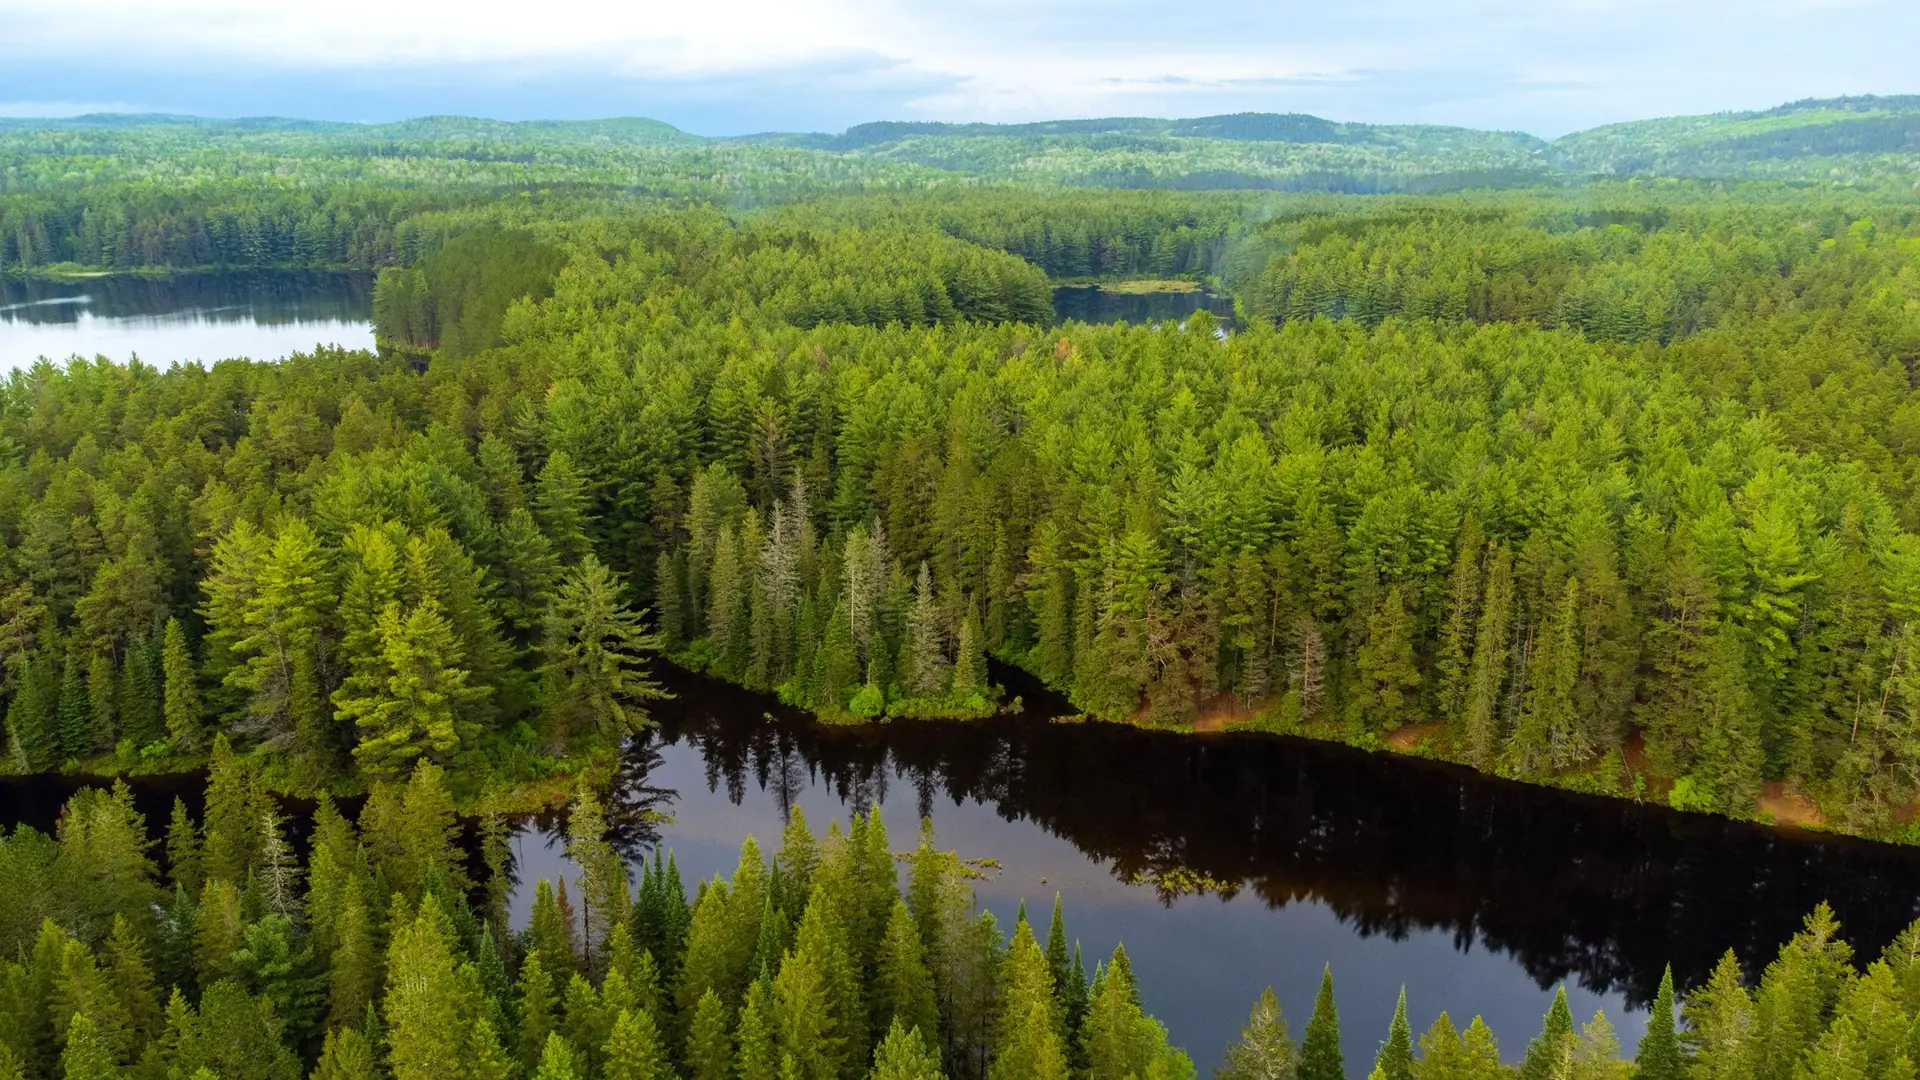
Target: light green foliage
1265, 1051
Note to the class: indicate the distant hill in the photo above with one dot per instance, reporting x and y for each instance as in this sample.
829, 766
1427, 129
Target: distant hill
1832, 138
627, 129
1872, 140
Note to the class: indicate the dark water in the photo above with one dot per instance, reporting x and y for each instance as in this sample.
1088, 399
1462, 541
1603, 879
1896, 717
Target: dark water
1477, 894
204, 317
1090, 304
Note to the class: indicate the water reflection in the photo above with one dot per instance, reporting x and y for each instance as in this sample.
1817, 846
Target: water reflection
1090, 304
183, 317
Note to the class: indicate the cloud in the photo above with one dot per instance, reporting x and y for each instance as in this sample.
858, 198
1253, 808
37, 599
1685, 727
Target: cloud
732, 66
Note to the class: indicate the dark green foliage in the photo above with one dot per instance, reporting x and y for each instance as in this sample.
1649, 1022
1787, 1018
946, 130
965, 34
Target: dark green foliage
1320, 1057
1659, 1055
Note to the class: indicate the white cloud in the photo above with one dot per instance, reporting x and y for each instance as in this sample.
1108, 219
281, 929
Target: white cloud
1548, 65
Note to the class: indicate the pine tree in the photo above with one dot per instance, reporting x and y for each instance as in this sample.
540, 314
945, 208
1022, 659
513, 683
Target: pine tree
556, 1061
633, 1050
32, 716
1477, 728
757, 1055
1659, 1055
903, 989
1029, 1027
424, 1029
1395, 1059
709, 1049
346, 1055
1554, 1042
103, 719
1320, 1057
130, 976
560, 505
537, 1009
89, 1055
1384, 666
596, 651
183, 849
1549, 734
924, 658
1452, 664
1265, 1051
74, 721
418, 710
905, 1055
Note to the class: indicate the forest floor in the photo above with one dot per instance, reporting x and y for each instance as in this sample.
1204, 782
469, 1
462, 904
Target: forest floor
1405, 739
1220, 711
1789, 808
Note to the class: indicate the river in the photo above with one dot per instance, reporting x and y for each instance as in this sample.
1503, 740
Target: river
1225, 862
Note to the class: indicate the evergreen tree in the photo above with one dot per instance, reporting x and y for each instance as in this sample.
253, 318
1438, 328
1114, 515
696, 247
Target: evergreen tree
757, 1055
347, 1055
556, 1061
903, 988
1477, 729
417, 711
1029, 1029
1553, 1044
904, 1055
709, 1049
424, 1028
1320, 1057
1659, 1055
634, 1051
183, 849
596, 650
537, 1008
1265, 1051
1395, 1059
1384, 666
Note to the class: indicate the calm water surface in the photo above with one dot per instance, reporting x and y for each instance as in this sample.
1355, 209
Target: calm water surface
186, 317
1090, 304
1479, 895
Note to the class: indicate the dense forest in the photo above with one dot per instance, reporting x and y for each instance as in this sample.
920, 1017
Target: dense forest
1616, 499
387, 952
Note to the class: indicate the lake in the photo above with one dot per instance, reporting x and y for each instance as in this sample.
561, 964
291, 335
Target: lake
207, 317
185, 317
1479, 895
1092, 304
1225, 862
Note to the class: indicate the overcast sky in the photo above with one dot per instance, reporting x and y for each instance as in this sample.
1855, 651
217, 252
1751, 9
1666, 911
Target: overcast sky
719, 67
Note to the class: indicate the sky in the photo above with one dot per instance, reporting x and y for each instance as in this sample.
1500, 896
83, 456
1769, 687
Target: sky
728, 67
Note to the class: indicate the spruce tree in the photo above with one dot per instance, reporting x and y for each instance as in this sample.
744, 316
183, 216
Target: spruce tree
183, 849
1554, 1042
1027, 1034
537, 1008
903, 988
1320, 1057
346, 1055
1659, 1055
1395, 1059
756, 1054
